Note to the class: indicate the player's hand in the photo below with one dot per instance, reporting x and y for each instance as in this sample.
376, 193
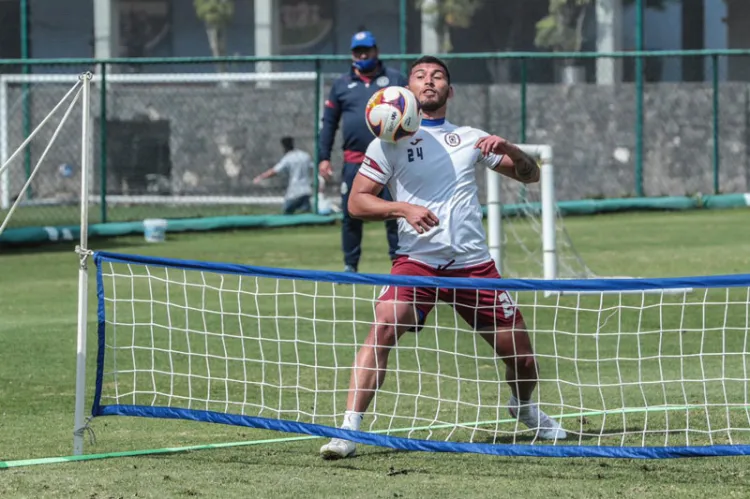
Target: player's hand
257, 180
492, 144
421, 218
324, 168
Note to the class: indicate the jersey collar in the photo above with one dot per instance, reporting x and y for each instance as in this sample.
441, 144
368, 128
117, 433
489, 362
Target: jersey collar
428, 123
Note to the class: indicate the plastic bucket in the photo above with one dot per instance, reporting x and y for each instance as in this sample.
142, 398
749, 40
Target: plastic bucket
155, 230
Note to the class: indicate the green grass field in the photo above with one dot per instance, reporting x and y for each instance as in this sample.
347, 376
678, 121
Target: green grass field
37, 341
29, 216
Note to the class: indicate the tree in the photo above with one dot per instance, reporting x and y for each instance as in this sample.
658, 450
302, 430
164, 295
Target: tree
217, 15
447, 14
455, 16
562, 29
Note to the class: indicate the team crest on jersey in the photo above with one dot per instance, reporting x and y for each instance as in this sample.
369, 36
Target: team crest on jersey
452, 139
383, 81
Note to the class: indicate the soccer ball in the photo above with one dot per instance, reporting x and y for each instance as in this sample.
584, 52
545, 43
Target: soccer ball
393, 113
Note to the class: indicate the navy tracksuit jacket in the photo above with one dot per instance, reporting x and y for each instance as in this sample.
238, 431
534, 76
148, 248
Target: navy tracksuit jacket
346, 102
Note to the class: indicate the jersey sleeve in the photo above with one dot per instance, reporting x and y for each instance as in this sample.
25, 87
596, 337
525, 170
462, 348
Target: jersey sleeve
376, 166
490, 160
281, 166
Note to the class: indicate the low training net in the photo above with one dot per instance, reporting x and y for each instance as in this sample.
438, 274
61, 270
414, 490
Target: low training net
630, 368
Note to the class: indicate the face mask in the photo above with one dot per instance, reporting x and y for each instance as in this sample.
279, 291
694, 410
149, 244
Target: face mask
366, 65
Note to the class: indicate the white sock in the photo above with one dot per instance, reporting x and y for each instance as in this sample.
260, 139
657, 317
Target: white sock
352, 420
515, 402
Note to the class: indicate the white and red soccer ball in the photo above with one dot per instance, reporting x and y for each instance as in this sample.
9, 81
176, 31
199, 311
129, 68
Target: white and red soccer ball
393, 113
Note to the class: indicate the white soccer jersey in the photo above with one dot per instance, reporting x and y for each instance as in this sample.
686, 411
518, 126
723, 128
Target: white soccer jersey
435, 168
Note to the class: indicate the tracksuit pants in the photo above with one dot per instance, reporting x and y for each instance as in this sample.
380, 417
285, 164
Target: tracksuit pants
351, 231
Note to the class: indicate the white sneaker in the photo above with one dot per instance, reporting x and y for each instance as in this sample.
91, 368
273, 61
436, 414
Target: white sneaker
530, 415
337, 448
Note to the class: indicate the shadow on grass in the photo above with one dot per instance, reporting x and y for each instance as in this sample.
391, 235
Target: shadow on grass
69, 246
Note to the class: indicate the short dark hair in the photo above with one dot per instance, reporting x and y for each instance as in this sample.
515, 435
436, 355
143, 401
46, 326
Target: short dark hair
429, 59
288, 143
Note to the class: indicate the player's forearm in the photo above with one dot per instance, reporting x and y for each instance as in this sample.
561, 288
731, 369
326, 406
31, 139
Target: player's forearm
526, 168
372, 208
266, 174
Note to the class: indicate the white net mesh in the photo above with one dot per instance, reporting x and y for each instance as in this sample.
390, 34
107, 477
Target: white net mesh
616, 369
522, 252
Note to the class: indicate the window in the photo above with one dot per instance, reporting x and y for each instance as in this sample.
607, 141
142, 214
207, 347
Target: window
10, 34
145, 28
304, 24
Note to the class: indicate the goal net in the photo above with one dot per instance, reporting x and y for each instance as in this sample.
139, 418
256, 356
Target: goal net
631, 368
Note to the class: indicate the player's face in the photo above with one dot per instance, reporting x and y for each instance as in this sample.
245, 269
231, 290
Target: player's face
430, 85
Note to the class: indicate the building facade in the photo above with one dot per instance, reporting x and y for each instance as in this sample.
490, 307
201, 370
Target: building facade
170, 28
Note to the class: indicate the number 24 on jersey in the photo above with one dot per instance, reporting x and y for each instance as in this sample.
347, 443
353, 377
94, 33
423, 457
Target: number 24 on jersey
410, 153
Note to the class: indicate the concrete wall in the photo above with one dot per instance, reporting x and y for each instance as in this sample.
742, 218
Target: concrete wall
221, 137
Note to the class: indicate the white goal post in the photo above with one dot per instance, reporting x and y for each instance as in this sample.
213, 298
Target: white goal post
543, 154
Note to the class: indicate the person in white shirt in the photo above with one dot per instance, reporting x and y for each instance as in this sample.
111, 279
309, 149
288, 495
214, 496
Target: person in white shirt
431, 177
298, 166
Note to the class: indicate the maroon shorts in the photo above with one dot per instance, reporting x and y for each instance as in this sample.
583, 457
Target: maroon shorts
481, 308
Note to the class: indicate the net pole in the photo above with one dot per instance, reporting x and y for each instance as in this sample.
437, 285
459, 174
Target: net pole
83, 275
494, 219
549, 213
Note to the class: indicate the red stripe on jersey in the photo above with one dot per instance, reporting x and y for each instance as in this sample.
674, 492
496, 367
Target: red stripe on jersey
354, 157
371, 176
368, 161
330, 104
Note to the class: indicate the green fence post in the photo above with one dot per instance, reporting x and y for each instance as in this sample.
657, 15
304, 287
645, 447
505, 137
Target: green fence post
103, 141
25, 88
402, 32
524, 87
639, 99
715, 84
316, 130
524, 84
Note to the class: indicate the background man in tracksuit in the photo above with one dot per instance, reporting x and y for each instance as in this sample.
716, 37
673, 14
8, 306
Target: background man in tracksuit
347, 100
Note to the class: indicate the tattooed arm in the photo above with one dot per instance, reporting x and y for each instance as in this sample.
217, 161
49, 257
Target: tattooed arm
513, 163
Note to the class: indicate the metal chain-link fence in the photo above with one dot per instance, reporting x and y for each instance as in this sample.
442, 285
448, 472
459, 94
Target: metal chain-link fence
182, 145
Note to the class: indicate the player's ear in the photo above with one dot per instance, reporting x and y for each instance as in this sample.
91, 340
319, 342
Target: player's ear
450, 92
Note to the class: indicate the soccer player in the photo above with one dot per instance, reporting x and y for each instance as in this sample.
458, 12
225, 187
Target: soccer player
346, 103
298, 166
432, 179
